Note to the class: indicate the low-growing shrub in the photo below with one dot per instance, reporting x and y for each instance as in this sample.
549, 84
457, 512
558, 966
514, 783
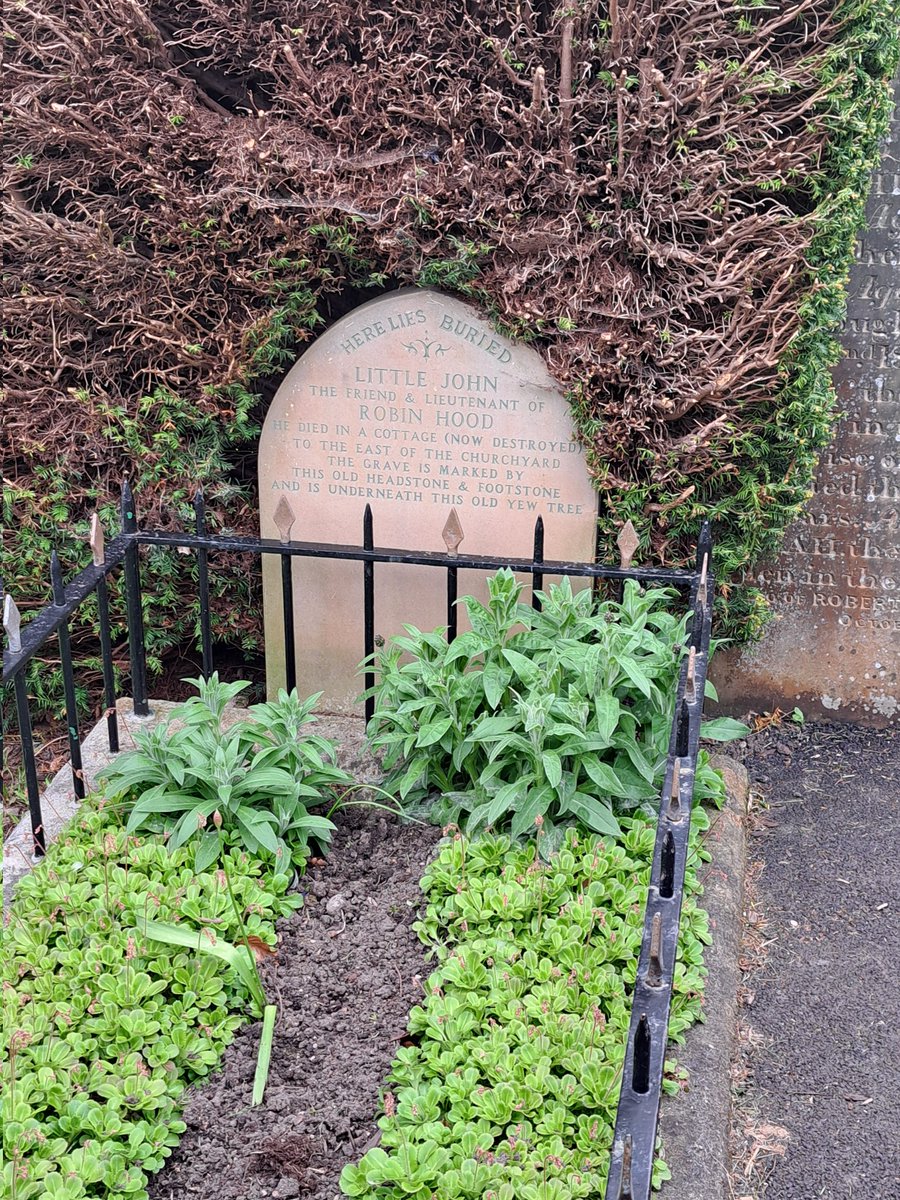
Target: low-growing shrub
511, 1087
106, 1027
253, 781
562, 714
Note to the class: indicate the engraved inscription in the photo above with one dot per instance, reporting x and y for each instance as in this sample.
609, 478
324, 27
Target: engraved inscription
835, 645
413, 405
426, 435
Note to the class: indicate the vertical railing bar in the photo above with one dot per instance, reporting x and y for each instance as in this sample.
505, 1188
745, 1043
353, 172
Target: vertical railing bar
596, 583
656, 967
369, 612
12, 628
452, 614
203, 584
537, 578
136, 650
287, 600
98, 551
284, 522
68, 673
453, 536
625, 1192
109, 672
38, 834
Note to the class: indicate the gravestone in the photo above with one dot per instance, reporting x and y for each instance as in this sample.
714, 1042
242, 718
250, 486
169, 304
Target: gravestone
833, 649
453, 434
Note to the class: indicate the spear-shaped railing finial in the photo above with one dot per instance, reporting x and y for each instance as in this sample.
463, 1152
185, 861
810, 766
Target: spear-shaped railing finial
452, 533
284, 519
12, 624
97, 541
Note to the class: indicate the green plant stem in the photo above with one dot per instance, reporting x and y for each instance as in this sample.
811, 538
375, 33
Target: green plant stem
264, 1056
259, 995
395, 807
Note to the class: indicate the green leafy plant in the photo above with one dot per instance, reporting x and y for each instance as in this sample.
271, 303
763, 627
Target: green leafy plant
107, 1025
546, 717
723, 729
207, 941
511, 1084
249, 783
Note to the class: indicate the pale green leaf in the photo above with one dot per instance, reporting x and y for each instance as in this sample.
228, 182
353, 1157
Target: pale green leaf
433, 732
264, 1056
723, 729
552, 767
595, 815
607, 709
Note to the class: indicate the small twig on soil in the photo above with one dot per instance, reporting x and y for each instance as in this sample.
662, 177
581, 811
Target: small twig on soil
333, 933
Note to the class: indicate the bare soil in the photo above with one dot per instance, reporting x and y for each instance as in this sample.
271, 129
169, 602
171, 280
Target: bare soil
348, 971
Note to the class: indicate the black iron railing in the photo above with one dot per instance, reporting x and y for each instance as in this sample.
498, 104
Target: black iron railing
638, 1110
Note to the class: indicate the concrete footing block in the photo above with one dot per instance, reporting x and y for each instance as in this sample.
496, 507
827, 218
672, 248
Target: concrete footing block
59, 803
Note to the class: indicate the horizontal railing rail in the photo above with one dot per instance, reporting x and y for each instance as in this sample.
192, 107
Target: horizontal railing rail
47, 621
634, 1143
420, 558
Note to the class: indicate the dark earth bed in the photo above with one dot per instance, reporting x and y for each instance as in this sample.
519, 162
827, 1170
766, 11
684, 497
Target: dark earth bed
348, 972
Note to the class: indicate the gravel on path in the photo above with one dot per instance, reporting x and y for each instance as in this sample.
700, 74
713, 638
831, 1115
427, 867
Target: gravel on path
826, 1002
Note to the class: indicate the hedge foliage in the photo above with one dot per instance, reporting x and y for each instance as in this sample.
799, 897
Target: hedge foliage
663, 202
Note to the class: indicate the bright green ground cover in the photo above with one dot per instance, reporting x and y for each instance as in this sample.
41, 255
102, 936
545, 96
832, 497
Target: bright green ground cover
511, 1091
523, 1026
106, 1028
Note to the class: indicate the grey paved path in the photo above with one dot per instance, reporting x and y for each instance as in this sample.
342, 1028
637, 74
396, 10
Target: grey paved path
828, 999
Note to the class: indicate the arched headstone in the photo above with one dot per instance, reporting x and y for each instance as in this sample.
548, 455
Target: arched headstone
412, 404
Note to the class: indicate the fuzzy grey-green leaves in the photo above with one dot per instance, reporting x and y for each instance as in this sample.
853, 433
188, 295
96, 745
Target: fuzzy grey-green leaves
258, 776
533, 718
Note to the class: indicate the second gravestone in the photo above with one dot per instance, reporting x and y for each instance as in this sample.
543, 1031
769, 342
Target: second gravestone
833, 648
414, 405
